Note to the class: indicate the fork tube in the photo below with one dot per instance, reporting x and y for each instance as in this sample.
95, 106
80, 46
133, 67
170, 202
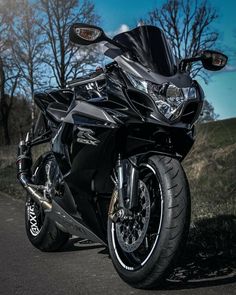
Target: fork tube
120, 181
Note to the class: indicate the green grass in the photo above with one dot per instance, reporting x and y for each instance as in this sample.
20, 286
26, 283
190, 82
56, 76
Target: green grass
219, 133
211, 169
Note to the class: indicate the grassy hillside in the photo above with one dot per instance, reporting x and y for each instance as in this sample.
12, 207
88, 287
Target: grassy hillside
210, 167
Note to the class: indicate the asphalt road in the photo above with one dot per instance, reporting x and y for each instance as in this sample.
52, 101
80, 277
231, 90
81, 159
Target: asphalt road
79, 269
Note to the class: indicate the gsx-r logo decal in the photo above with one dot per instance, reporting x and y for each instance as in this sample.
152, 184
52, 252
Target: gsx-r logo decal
85, 136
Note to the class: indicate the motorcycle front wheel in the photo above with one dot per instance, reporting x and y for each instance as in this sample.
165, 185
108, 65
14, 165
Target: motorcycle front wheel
145, 247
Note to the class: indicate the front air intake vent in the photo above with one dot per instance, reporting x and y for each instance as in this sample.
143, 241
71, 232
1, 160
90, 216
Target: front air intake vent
141, 102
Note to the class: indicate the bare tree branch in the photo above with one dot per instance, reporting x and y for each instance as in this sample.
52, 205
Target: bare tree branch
187, 25
58, 17
28, 45
8, 76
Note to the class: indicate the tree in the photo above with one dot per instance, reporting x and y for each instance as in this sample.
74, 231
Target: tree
8, 84
34, 44
58, 16
9, 74
19, 120
208, 113
28, 47
188, 26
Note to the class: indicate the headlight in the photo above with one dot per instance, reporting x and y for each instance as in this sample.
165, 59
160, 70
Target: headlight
168, 98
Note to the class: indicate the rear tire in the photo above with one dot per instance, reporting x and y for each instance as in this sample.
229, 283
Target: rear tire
42, 232
168, 225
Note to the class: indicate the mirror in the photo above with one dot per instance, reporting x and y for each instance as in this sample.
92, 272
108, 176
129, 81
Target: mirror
84, 34
213, 60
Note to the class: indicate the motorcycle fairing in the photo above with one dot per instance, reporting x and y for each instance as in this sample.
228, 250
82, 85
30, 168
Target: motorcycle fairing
87, 138
148, 46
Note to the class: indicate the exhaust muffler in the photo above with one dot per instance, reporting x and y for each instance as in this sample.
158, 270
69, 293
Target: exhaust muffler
24, 163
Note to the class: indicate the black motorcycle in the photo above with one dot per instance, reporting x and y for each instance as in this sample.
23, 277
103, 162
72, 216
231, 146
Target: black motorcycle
118, 137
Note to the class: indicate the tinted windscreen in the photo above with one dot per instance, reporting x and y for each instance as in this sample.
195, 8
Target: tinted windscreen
149, 46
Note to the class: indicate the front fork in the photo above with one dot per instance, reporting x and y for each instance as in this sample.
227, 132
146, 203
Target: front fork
125, 195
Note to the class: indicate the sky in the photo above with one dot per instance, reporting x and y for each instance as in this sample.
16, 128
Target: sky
118, 15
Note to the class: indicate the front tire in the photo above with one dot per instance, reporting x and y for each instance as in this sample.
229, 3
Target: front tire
166, 208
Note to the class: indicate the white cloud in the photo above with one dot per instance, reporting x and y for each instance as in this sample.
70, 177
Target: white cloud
123, 28
230, 68
140, 23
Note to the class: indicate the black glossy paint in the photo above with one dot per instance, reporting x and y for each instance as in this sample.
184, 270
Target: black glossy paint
88, 133
149, 46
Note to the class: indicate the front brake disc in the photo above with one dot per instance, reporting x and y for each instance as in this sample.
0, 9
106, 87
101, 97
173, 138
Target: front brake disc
130, 232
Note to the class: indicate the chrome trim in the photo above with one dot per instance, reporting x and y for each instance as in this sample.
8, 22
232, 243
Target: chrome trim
23, 167
90, 80
36, 196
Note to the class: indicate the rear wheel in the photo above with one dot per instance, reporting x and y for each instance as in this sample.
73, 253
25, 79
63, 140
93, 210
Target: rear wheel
145, 246
42, 231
